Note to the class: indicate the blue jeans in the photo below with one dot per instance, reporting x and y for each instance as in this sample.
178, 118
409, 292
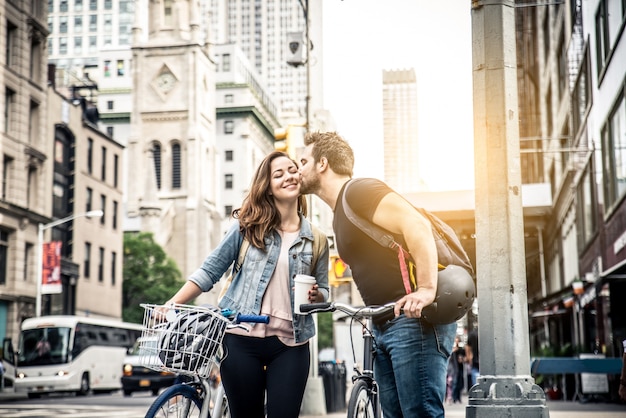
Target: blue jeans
410, 366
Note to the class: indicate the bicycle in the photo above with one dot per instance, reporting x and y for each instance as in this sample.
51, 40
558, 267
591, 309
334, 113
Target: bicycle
190, 344
364, 401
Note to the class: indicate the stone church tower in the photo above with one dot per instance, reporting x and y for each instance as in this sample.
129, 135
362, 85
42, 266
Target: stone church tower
172, 146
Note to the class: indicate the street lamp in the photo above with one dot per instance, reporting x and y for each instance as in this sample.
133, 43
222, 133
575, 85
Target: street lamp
42, 227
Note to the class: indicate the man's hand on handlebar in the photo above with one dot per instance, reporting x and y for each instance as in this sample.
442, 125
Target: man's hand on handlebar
413, 303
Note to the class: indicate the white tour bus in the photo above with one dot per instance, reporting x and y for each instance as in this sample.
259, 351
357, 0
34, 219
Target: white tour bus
72, 354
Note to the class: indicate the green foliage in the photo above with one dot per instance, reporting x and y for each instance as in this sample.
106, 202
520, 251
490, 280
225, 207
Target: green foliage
324, 330
149, 275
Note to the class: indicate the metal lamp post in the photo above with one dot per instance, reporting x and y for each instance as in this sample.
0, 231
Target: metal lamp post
40, 229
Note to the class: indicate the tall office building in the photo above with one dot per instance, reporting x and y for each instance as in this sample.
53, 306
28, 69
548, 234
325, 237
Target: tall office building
401, 153
262, 29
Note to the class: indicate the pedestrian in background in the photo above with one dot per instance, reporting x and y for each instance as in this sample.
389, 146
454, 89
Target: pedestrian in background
411, 354
472, 356
271, 359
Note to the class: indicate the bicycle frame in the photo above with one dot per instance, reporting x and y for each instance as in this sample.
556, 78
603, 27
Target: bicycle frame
364, 397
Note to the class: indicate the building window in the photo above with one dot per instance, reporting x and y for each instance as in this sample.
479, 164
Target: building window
88, 199
114, 215
116, 163
9, 110
167, 12
610, 18
120, 68
93, 23
78, 45
614, 154
229, 127
11, 44
156, 155
90, 155
586, 218
109, 104
93, 44
63, 6
225, 62
110, 131
228, 155
228, 211
101, 264
103, 204
62, 45
62, 24
228, 181
87, 260
35, 59
78, 24
108, 22
103, 164
107, 68
33, 123
176, 179
29, 250
108, 4
113, 267
4, 255
31, 188
7, 171
229, 98
93, 4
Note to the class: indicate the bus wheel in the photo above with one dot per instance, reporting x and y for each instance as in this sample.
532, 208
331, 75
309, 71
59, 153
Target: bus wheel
84, 385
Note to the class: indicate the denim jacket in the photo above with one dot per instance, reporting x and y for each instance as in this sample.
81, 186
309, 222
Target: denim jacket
246, 291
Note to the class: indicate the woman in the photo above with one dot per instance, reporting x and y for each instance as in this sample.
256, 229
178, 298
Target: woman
273, 357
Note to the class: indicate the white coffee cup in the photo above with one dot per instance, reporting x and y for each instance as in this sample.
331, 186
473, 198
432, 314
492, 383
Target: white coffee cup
303, 284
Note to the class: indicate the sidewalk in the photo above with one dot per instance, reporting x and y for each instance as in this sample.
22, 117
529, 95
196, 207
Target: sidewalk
557, 409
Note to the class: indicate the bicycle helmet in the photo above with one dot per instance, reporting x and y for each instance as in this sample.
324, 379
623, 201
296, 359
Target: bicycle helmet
455, 296
190, 339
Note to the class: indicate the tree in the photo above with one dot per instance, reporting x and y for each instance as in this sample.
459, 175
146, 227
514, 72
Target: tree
149, 275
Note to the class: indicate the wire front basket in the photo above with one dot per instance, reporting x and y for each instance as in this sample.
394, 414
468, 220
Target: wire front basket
182, 339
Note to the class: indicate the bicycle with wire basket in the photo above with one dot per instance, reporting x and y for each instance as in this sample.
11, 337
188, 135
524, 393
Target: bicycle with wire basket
364, 401
189, 344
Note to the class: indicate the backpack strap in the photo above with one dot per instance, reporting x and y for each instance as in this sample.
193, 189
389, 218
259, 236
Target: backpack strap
379, 235
242, 255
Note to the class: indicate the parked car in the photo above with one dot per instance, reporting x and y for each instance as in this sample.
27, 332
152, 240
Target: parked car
137, 377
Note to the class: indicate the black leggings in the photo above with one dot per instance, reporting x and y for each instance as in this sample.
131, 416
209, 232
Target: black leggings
255, 365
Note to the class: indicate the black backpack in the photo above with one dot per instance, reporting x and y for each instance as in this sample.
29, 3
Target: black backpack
449, 248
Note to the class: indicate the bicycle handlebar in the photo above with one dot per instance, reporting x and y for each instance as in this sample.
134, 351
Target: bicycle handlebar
259, 319
367, 311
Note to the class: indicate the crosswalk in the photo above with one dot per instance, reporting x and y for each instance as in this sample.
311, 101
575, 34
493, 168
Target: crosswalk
29, 410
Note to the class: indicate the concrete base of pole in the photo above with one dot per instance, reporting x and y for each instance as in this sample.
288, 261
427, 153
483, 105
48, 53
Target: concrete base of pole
314, 401
508, 396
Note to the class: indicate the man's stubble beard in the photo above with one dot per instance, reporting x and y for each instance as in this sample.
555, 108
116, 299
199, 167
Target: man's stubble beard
310, 185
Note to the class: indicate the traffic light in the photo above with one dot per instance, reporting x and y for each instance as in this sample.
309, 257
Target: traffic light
339, 271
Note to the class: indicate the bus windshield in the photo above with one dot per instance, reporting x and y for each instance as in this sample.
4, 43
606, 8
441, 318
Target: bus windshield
43, 346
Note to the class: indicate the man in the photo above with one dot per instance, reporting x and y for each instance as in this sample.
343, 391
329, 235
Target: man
411, 359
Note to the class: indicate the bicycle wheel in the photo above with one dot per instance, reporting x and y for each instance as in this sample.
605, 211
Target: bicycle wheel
361, 404
179, 401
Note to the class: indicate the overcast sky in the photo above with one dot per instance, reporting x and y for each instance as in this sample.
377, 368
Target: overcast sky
363, 37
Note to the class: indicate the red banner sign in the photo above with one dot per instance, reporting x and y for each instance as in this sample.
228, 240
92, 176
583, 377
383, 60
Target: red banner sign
51, 280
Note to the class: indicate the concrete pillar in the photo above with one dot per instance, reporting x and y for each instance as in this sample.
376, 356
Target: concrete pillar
505, 388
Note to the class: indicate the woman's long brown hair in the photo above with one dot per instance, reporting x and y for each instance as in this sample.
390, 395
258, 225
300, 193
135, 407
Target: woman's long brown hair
258, 214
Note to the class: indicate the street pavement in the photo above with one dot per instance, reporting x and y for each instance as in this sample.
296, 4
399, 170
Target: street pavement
557, 409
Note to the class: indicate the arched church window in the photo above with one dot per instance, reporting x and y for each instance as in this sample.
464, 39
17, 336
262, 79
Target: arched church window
176, 166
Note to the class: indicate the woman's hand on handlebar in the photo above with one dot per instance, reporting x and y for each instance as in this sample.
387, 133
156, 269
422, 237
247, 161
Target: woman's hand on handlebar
413, 303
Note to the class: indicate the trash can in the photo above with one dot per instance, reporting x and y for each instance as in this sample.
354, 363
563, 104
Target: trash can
334, 378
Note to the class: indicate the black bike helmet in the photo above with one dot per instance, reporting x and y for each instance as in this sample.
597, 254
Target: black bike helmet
192, 338
455, 296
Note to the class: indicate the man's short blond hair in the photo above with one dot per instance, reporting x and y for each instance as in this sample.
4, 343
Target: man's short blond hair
334, 148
